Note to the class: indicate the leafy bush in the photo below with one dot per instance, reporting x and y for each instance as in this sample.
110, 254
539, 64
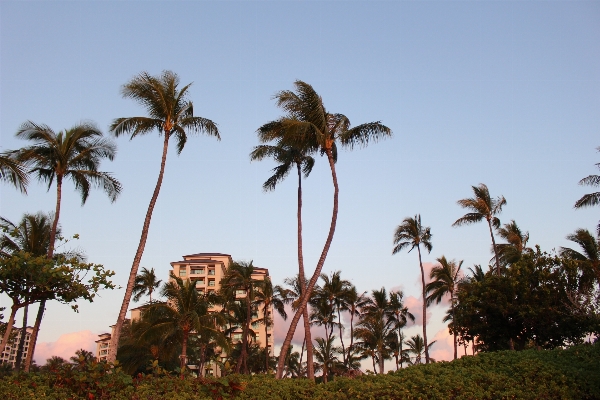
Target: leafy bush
556, 374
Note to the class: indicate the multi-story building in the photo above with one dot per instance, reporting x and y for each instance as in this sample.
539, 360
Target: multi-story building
9, 355
205, 271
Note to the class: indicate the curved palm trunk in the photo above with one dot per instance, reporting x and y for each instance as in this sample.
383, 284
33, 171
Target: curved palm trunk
22, 339
310, 370
114, 340
424, 308
42, 308
316, 274
494, 246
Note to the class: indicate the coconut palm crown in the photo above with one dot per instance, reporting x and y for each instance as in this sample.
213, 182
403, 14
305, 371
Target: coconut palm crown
483, 206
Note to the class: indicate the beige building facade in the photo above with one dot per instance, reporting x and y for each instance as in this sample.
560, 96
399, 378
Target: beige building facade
9, 354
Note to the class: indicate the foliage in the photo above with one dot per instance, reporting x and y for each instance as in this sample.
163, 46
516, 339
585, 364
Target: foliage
549, 374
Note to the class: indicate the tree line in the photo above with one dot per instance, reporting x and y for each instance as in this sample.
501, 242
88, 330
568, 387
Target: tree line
305, 129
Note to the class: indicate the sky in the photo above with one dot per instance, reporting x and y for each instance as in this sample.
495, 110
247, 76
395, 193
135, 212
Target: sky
501, 93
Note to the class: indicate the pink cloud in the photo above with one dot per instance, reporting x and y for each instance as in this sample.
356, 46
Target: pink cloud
65, 346
415, 306
443, 349
427, 267
282, 326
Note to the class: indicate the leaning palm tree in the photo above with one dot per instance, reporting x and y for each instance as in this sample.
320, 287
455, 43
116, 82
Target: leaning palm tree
171, 113
410, 234
145, 283
307, 124
73, 154
482, 206
287, 156
516, 246
590, 199
13, 171
444, 280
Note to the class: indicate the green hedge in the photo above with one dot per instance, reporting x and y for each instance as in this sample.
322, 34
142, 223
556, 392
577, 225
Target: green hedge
557, 374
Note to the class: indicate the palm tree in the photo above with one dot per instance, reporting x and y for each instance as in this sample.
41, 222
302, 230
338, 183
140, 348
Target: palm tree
326, 354
590, 199
334, 291
354, 302
399, 315
269, 297
444, 280
239, 276
184, 312
416, 345
13, 171
31, 235
145, 283
482, 206
410, 233
287, 156
74, 154
172, 115
589, 256
511, 252
307, 124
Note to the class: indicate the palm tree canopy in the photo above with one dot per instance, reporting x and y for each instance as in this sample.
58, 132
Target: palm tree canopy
511, 252
411, 233
444, 280
397, 312
75, 153
145, 283
168, 107
590, 246
286, 155
31, 234
591, 199
482, 205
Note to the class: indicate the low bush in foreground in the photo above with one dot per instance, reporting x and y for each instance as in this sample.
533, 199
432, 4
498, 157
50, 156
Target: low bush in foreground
557, 374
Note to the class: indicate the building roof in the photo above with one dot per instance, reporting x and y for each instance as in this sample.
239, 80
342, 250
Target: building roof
197, 261
208, 255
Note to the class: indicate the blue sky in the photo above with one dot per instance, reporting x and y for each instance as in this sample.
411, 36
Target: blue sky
504, 93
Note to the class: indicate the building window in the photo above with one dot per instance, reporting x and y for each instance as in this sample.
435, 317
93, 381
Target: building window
197, 271
237, 336
240, 292
211, 282
182, 272
211, 271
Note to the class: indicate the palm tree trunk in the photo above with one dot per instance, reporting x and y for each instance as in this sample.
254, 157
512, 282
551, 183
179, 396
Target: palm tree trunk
9, 326
341, 339
495, 249
302, 354
316, 274
374, 367
22, 339
114, 340
424, 308
40, 313
381, 360
184, 353
310, 371
244, 354
454, 322
266, 340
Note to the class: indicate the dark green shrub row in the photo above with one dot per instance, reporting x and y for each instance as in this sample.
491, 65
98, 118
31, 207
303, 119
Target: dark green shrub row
557, 374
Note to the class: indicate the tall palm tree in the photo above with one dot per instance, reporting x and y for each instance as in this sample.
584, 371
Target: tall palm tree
483, 206
239, 276
145, 283
184, 312
307, 124
590, 199
511, 252
13, 171
334, 291
269, 296
444, 280
288, 155
74, 154
399, 315
354, 302
410, 234
171, 113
